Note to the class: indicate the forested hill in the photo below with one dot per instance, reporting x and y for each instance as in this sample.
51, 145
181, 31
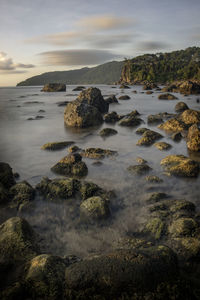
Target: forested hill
103, 74
163, 67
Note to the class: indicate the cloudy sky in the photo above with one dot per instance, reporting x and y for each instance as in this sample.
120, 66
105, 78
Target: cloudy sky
47, 35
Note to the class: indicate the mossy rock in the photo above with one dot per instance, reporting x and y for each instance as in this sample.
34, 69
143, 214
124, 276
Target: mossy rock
162, 146
153, 179
124, 97
155, 197
45, 277
167, 96
180, 165
190, 117
187, 248
90, 189
141, 130
173, 125
98, 153
54, 87
4, 195
139, 169
156, 227
111, 99
154, 119
181, 106
183, 227
73, 149
111, 117
95, 208
20, 193
57, 145
130, 121
193, 138
182, 205
148, 138
6, 175
59, 188
93, 97
124, 86
107, 132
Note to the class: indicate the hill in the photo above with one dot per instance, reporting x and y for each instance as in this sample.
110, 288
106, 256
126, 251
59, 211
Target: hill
103, 74
163, 67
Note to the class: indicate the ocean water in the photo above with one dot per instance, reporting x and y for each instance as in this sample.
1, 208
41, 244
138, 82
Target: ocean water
58, 223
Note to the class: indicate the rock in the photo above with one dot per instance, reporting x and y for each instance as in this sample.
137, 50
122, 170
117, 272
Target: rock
180, 165
39, 117
112, 99
167, 96
6, 175
107, 132
80, 114
180, 107
45, 277
124, 86
111, 117
173, 125
183, 227
90, 189
141, 160
57, 145
58, 189
176, 137
71, 165
154, 119
93, 97
130, 121
149, 86
16, 175
97, 163
193, 138
162, 146
190, 117
156, 197
189, 87
153, 179
73, 149
54, 87
95, 208
148, 138
170, 88
139, 169
41, 111
4, 195
182, 208
79, 88
62, 103
97, 153
135, 92
124, 97
21, 193
123, 272
155, 227
149, 92
187, 248
141, 131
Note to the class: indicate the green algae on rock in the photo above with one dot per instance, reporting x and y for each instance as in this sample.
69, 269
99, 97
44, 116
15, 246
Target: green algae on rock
95, 208
180, 107
21, 193
112, 117
156, 227
57, 145
130, 121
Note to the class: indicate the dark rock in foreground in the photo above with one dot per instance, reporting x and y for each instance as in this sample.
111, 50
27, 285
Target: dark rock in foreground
54, 87
93, 97
6, 175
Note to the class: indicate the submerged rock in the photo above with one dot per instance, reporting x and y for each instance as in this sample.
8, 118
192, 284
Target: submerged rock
148, 138
21, 193
57, 145
95, 208
54, 87
97, 153
62, 103
130, 121
167, 96
124, 97
71, 165
162, 146
107, 132
180, 107
112, 117
180, 165
92, 96
153, 179
141, 160
139, 169
193, 138
156, 197
154, 119
141, 131
4, 195
6, 175
112, 99
79, 88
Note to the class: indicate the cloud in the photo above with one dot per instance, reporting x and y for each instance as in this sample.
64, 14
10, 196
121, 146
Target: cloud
152, 46
104, 22
77, 57
7, 65
63, 38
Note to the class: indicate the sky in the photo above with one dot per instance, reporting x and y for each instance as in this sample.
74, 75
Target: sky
47, 35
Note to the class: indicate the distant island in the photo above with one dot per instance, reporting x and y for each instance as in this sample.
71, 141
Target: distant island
159, 68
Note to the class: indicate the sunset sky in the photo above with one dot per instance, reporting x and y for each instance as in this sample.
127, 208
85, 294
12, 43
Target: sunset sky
41, 36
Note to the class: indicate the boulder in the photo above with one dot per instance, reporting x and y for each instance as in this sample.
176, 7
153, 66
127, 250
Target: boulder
153, 179
54, 87
124, 97
93, 97
21, 193
180, 107
130, 121
180, 165
189, 87
111, 99
162, 146
6, 175
190, 117
95, 208
56, 145
183, 227
90, 189
112, 117
141, 130
139, 169
193, 138
148, 138
154, 119
155, 227
167, 96
173, 125
80, 114
71, 165
97, 153
156, 197
107, 132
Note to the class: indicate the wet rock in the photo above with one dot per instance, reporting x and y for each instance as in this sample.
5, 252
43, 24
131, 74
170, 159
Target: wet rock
162, 146
173, 125
62, 103
6, 175
167, 96
176, 137
180, 107
135, 92
111, 117
107, 132
80, 114
73, 149
169, 88
124, 86
21, 193
180, 165
156, 197
182, 208
57, 145
149, 86
141, 131
139, 169
78, 88
45, 277
183, 227
141, 160
98, 153
111, 99
190, 117
54, 87
4, 195
187, 248
93, 97
188, 87
124, 97
41, 111
148, 138
97, 163
90, 189
130, 121
58, 189
153, 179
122, 272
71, 165
95, 208
149, 92
154, 119
156, 228
39, 117
193, 138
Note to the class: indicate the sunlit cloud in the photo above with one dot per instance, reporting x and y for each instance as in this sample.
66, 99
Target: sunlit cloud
7, 64
63, 38
152, 46
77, 57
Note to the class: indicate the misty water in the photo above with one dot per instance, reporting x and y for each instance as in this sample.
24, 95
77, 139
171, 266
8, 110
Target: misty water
58, 223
